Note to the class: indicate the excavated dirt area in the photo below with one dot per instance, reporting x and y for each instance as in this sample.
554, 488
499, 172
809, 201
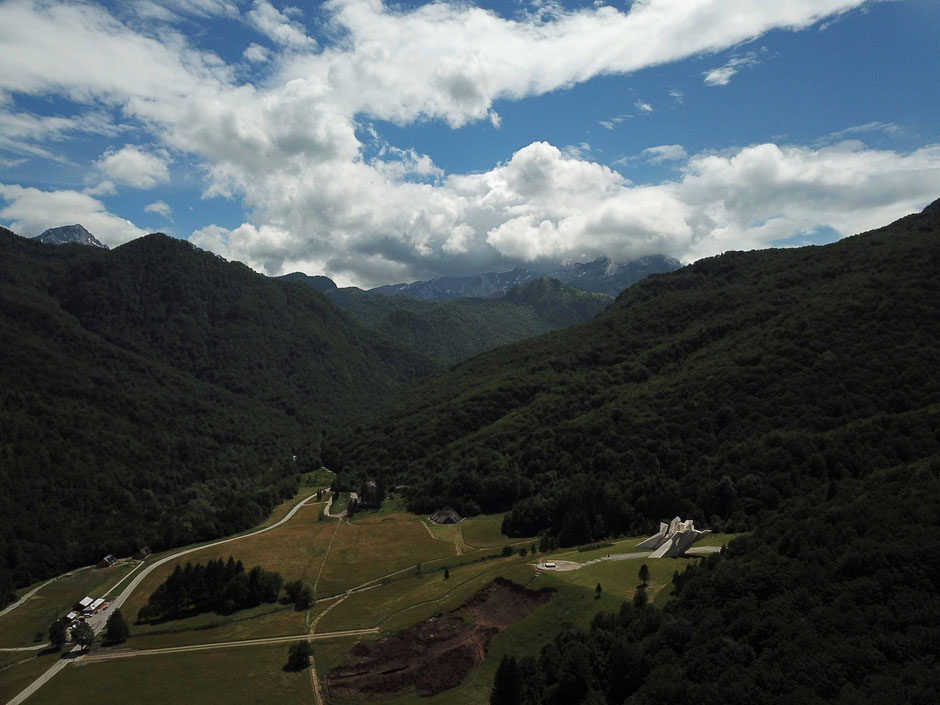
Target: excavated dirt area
437, 654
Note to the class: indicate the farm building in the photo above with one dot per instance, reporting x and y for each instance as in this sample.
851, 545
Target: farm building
142, 553
83, 604
445, 516
107, 561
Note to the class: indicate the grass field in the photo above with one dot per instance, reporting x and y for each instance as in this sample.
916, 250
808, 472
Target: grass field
18, 670
372, 546
251, 675
485, 531
295, 550
20, 626
410, 598
619, 578
369, 550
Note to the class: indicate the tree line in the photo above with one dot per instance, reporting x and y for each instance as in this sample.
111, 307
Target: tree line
219, 586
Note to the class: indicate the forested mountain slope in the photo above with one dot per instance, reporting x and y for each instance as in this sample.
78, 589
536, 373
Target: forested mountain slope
712, 392
456, 329
835, 598
155, 394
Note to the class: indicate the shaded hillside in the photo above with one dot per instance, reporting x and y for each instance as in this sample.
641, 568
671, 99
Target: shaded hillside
712, 392
317, 281
281, 343
156, 394
557, 304
457, 329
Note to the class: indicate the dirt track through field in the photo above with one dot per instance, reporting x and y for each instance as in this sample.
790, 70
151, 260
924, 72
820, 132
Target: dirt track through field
130, 653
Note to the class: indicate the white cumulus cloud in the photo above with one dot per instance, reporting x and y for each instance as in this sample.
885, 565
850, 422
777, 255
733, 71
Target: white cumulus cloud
160, 208
286, 148
665, 153
29, 211
135, 167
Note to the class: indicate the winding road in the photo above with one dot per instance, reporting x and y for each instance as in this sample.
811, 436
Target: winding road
75, 653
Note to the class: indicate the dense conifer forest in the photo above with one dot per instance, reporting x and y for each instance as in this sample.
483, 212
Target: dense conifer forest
157, 395
220, 586
715, 392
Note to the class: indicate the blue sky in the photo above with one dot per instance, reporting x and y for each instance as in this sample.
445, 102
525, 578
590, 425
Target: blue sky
381, 143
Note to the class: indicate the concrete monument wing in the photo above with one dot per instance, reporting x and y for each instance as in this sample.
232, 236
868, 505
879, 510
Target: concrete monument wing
673, 539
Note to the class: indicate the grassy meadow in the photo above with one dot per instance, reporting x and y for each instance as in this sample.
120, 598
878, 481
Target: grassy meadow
384, 547
250, 675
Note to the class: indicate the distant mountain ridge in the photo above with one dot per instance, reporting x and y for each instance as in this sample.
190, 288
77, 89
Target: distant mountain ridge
600, 275
66, 234
452, 330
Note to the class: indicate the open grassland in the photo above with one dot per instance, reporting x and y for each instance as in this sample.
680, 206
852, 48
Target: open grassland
20, 626
620, 578
370, 547
249, 675
485, 531
410, 598
210, 628
295, 550
452, 534
367, 551
18, 670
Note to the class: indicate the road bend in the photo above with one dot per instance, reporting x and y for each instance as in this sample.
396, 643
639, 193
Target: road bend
98, 622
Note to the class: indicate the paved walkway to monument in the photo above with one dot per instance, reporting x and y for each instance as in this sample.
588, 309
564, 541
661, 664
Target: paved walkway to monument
561, 566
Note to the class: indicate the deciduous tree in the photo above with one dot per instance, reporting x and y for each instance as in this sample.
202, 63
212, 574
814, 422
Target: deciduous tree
116, 630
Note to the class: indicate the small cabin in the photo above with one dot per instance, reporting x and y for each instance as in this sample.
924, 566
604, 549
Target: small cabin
142, 553
106, 562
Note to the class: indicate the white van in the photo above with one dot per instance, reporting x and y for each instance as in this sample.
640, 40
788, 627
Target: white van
550, 565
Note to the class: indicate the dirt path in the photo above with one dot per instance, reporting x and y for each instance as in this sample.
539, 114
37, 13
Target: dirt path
103, 656
315, 682
327, 554
10, 608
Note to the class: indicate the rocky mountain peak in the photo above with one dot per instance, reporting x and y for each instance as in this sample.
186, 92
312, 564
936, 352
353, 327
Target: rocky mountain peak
68, 234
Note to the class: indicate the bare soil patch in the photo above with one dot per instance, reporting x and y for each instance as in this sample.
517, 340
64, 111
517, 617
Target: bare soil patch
437, 654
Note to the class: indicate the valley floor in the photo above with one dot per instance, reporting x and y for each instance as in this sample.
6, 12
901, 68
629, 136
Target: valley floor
374, 575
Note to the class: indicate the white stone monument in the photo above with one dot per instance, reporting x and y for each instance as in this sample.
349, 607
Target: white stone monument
673, 539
